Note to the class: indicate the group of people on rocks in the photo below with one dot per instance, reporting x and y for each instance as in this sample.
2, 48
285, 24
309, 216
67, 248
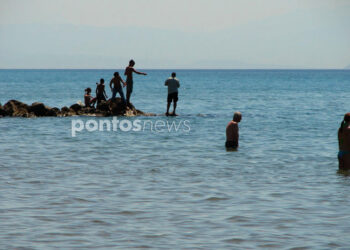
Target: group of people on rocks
117, 84
232, 130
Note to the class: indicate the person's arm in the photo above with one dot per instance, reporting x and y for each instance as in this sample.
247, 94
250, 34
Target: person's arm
235, 133
124, 83
138, 72
178, 84
110, 84
166, 82
96, 88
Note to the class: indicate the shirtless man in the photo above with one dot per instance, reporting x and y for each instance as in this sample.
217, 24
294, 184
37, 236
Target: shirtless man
88, 99
100, 91
232, 131
129, 81
344, 143
117, 87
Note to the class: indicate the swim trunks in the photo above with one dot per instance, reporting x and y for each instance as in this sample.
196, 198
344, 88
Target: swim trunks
173, 97
231, 144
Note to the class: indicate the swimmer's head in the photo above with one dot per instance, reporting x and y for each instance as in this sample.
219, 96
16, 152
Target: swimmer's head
347, 117
237, 116
173, 75
131, 62
102, 80
88, 90
116, 74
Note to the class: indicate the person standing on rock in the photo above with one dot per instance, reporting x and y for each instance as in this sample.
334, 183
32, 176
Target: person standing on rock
232, 131
117, 87
173, 85
129, 79
100, 91
344, 143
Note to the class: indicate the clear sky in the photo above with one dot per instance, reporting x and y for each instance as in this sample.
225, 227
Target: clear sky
175, 33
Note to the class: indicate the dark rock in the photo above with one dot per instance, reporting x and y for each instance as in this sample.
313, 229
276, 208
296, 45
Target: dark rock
64, 109
39, 109
76, 107
117, 107
103, 106
72, 112
57, 111
51, 112
106, 108
16, 108
3, 112
87, 110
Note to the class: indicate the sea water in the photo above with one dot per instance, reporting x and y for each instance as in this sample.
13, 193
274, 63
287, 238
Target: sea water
178, 189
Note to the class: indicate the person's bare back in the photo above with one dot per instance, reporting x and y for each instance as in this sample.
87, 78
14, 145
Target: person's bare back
344, 143
129, 81
232, 131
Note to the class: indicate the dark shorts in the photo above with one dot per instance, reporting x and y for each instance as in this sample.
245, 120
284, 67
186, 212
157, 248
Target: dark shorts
129, 86
231, 144
100, 96
173, 97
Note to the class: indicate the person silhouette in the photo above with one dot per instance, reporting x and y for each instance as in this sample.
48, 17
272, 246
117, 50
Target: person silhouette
129, 70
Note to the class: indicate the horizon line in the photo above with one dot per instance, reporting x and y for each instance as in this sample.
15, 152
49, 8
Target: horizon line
176, 68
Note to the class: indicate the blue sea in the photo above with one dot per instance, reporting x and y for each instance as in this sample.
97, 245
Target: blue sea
178, 189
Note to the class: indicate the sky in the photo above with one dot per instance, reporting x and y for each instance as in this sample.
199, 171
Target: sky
227, 34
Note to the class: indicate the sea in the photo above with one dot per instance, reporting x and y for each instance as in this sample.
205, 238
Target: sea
176, 187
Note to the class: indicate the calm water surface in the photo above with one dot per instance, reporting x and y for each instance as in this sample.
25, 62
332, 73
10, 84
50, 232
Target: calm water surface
181, 189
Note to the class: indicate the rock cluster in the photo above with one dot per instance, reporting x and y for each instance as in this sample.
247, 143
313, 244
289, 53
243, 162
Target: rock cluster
114, 107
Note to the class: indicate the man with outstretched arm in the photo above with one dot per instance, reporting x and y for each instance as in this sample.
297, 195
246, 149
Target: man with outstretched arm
129, 80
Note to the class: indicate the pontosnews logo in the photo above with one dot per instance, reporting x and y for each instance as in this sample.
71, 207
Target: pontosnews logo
125, 125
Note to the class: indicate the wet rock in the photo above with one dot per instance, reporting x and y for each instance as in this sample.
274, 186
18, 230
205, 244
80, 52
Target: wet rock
39, 109
3, 112
103, 106
16, 108
106, 108
57, 111
76, 107
117, 107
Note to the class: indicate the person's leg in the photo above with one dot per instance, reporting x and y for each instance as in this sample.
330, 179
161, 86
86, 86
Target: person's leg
121, 93
129, 88
168, 104
344, 160
128, 93
114, 93
175, 98
167, 108
93, 101
347, 161
174, 105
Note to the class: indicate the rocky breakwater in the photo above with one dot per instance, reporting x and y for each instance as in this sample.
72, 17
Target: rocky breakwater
14, 108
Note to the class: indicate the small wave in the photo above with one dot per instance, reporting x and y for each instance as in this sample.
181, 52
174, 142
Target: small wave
151, 236
238, 218
127, 212
214, 198
101, 222
234, 240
